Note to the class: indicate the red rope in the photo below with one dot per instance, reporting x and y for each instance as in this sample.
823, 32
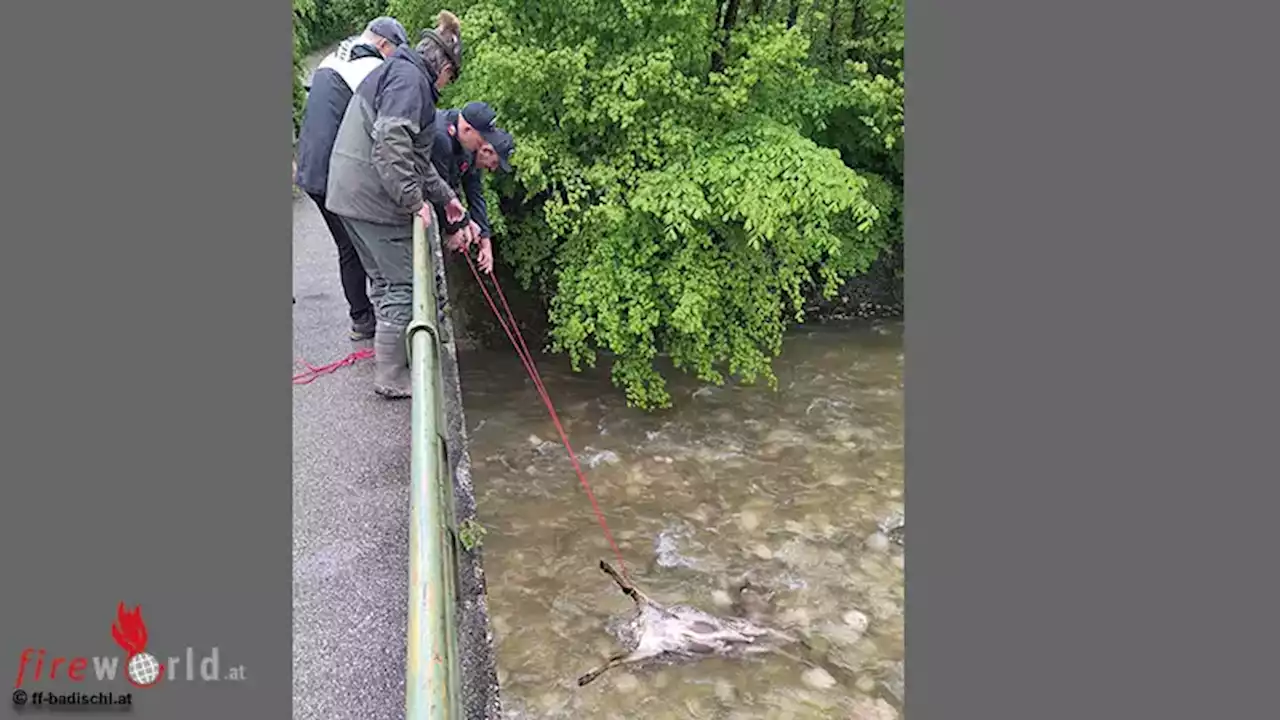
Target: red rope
522, 350
312, 372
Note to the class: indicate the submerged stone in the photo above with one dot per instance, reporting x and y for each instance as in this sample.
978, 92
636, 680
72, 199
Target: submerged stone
818, 679
838, 480
868, 709
784, 436
725, 692
857, 620
895, 683
795, 617
626, 682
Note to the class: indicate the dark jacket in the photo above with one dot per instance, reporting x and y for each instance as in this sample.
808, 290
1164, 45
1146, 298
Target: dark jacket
457, 166
332, 85
381, 170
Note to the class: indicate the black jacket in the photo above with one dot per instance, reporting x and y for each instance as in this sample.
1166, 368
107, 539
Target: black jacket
381, 170
457, 167
332, 85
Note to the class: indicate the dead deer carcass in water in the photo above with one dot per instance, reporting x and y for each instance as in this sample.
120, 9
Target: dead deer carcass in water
652, 632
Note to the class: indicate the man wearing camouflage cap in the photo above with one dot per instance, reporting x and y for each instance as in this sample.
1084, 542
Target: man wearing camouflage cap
381, 176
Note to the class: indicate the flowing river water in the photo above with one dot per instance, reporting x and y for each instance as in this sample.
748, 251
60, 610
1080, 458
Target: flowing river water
788, 487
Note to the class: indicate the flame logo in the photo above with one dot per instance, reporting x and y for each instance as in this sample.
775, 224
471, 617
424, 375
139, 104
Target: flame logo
129, 631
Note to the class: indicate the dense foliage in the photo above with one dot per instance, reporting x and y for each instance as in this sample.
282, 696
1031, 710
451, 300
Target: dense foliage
319, 22
686, 169
304, 12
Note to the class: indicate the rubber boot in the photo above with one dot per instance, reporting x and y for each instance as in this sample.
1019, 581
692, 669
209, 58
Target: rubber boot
391, 362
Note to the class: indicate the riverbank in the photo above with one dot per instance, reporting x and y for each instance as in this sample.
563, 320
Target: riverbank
874, 295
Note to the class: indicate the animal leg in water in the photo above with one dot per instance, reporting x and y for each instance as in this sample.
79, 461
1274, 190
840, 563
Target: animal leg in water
615, 661
627, 587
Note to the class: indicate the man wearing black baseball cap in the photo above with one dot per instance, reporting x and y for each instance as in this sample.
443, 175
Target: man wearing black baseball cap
468, 141
498, 144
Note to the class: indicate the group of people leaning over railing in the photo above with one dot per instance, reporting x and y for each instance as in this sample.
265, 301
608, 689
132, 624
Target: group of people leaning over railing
374, 152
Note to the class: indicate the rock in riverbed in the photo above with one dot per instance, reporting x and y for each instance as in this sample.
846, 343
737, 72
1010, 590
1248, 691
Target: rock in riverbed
626, 682
878, 542
784, 436
795, 617
596, 458
868, 709
895, 681
818, 679
856, 620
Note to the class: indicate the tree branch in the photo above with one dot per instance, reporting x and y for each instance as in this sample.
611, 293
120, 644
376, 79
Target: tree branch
726, 31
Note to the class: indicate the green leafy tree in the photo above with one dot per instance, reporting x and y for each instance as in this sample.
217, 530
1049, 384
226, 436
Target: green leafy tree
336, 19
687, 169
304, 12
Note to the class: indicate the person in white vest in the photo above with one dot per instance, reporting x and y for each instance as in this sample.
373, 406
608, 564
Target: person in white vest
332, 86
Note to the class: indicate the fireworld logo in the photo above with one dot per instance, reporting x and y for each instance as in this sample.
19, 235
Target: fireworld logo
130, 633
142, 669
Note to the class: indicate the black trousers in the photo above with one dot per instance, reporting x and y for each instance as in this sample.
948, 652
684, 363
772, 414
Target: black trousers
353, 274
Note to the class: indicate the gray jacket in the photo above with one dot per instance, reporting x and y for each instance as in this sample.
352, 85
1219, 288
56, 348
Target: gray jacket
381, 170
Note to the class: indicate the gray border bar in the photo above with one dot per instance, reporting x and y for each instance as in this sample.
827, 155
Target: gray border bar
1091, 360
146, 398
1091, 339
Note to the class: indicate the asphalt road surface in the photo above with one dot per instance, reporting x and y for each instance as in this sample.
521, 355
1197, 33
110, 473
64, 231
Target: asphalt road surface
350, 507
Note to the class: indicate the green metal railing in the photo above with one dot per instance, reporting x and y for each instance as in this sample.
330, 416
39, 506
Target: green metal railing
433, 672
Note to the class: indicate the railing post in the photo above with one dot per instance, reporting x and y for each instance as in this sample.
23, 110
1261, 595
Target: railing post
432, 682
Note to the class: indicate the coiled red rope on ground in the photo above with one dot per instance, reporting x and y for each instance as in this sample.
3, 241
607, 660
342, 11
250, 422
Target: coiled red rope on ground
522, 350
312, 372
